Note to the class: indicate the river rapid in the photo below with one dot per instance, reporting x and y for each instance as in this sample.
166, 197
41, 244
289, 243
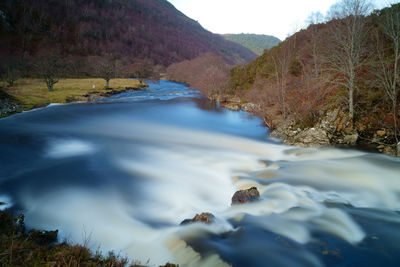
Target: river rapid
123, 173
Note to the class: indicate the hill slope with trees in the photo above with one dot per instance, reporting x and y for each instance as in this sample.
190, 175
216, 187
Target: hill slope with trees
255, 42
150, 32
346, 68
335, 83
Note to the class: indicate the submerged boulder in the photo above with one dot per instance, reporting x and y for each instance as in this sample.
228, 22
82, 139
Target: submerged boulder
244, 196
204, 218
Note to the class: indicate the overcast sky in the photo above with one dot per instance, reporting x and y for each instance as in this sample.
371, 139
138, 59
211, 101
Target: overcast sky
279, 18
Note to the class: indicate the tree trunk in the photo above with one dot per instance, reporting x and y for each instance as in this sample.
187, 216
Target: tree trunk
10, 82
107, 83
395, 120
50, 85
351, 103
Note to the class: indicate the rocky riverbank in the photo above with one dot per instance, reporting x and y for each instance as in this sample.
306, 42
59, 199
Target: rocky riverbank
336, 129
8, 104
333, 129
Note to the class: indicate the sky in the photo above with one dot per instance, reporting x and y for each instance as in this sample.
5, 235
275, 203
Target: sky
279, 18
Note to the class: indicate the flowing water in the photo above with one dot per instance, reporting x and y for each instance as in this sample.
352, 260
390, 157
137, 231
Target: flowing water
124, 172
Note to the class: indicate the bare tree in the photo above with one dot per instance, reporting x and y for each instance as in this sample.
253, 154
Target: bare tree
10, 70
389, 66
314, 19
312, 73
104, 67
348, 38
282, 60
49, 66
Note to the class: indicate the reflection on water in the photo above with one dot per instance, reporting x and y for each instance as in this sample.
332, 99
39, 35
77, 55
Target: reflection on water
131, 168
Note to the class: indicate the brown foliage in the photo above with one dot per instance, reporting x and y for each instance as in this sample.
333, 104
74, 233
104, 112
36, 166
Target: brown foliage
133, 29
208, 73
306, 75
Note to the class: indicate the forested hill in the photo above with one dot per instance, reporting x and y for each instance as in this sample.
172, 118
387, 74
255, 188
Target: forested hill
349, 63
255, 42
152, 30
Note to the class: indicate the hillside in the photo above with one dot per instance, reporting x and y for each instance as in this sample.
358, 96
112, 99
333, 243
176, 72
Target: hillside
255, 42
330, 83
153, 31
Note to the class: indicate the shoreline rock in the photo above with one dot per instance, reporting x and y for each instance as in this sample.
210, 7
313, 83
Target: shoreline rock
334, 129
8, 105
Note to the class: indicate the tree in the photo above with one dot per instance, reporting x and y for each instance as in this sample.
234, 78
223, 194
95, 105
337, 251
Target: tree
10, 70
348, 38
282, 59
208, 73
389, 65
311, 65
104, 67
49, 66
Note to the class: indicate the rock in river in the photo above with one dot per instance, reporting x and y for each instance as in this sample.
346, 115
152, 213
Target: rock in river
204, 218
244, 196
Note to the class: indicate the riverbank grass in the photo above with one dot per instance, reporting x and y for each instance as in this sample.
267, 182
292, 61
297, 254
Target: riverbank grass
32, 93
22, 247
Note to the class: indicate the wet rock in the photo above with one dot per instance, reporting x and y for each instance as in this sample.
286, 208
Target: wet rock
8, 106
316, 136
94, 97
250, 107
232, 106
350, 139
311, 137
204, 218
245, 196
389, 150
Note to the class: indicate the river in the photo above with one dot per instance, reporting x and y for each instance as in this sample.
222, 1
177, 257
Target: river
122, 173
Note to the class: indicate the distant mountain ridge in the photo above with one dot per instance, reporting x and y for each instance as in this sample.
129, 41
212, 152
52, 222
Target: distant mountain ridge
131, 29
255, 42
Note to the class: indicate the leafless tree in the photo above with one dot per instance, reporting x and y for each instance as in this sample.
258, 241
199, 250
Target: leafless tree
50, 67
348, 37
388, 73
10, 68
316, 54
282, 59
104, 67
314, 19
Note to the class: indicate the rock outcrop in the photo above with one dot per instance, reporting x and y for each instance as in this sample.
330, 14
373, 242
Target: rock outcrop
7, 106
245, 196
334, 128
203, 218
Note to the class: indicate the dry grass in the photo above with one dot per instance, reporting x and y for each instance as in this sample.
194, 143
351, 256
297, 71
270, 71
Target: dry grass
33, 92
19, 247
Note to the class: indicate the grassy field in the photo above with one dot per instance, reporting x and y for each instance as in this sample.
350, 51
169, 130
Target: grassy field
32, 93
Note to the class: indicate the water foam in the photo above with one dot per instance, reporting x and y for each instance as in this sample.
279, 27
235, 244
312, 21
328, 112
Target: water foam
63, 148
